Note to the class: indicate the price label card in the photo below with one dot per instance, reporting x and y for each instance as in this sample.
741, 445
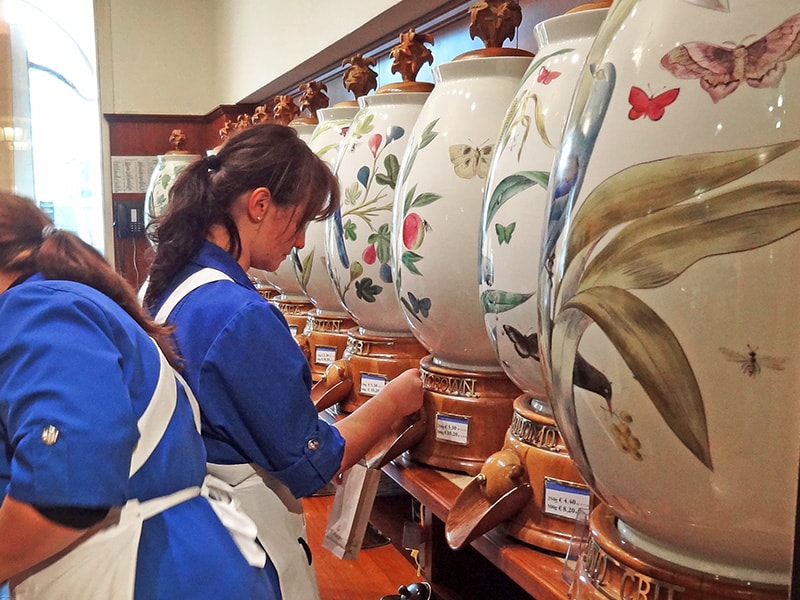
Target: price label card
453, 429
293, 330
564, 499
371, 384
324, 355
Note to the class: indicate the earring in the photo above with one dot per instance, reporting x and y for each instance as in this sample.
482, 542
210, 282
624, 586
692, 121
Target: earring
259, 219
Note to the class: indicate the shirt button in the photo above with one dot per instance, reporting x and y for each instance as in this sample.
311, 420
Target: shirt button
313, 445
49, 435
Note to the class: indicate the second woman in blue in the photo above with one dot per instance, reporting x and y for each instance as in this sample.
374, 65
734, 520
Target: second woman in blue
248, 207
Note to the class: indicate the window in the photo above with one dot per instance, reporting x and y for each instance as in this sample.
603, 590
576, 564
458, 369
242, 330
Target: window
64, 111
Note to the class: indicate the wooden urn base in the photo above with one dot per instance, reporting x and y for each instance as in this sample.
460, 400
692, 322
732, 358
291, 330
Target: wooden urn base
559, 492
295, 310
467, 415
373, 361
324, 339
611, 567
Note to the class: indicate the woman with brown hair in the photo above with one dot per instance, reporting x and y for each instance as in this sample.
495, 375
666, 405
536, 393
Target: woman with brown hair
101, 465
248, 206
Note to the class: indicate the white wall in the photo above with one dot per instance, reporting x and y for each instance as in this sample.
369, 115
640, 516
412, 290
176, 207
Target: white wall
189, 56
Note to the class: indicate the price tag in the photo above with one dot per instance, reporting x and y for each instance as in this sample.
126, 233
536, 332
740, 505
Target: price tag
453, 429
564, 499
324, 355
371, 384
293, 330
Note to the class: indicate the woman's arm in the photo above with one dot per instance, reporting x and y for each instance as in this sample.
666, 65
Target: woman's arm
27, 538
363, 428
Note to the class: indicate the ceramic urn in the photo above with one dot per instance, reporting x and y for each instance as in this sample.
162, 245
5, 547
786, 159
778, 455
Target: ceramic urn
168, 167
310, 263
359, 238
669, 279
437, 208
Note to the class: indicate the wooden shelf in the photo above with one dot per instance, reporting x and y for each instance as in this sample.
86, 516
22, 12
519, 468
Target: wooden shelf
537, 572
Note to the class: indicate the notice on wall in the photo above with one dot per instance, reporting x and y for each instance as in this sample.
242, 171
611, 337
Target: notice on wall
131, 174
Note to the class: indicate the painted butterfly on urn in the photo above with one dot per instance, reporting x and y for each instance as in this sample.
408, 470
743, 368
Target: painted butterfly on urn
469, 161
652, 107
722, 68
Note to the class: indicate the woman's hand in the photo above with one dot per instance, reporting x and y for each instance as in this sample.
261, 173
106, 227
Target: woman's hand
371, 421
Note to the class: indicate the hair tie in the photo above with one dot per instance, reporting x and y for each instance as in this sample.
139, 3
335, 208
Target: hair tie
212, 162
47, 231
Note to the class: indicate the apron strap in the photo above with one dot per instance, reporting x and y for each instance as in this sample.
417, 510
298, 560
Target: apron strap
156, 417
191, 283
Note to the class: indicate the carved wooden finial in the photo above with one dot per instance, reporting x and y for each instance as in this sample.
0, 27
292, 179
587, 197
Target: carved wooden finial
313, 97
227, 130
494, 21
177, 142
242, 122
359, 78
285, 110
262, 114
410, 54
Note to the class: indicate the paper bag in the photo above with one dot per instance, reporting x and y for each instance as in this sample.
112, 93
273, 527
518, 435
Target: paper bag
351, 510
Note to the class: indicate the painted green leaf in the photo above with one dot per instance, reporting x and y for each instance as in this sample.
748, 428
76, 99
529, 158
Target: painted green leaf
307, 264
499, 301
350, 231
538, 119
426, 137
410, 259
654, 250
320, 129
510, 186
383, 243
655, 357
408, 199
329, 148
367, 290
424, 199
392, 166
352, 193
365, 124
649, 187
428, 134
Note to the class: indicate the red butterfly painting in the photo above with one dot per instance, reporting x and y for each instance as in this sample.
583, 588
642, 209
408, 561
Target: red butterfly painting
721, 69
546, 75
651, 107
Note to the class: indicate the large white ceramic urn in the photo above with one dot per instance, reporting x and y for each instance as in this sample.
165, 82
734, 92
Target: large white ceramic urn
515, 197
359, 238
670, 280
437, 210
310, 263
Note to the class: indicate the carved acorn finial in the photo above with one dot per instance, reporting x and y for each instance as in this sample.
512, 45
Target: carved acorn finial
410, 54
262, 114
494, 21
313, 96
285, 110
359, 78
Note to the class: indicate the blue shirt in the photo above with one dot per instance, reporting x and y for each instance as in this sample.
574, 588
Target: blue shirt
73, 360
251, 379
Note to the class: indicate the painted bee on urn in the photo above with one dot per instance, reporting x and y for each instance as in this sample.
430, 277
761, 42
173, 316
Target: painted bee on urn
751, 363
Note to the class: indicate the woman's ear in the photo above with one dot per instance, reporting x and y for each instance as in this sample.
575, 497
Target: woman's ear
259, 203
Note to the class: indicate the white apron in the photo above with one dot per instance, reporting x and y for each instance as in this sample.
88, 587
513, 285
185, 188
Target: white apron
102, 564
277, 513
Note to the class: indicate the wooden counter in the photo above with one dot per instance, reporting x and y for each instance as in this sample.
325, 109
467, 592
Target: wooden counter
536, 572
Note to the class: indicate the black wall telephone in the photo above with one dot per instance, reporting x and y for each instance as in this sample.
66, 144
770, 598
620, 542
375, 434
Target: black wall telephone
129, 218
